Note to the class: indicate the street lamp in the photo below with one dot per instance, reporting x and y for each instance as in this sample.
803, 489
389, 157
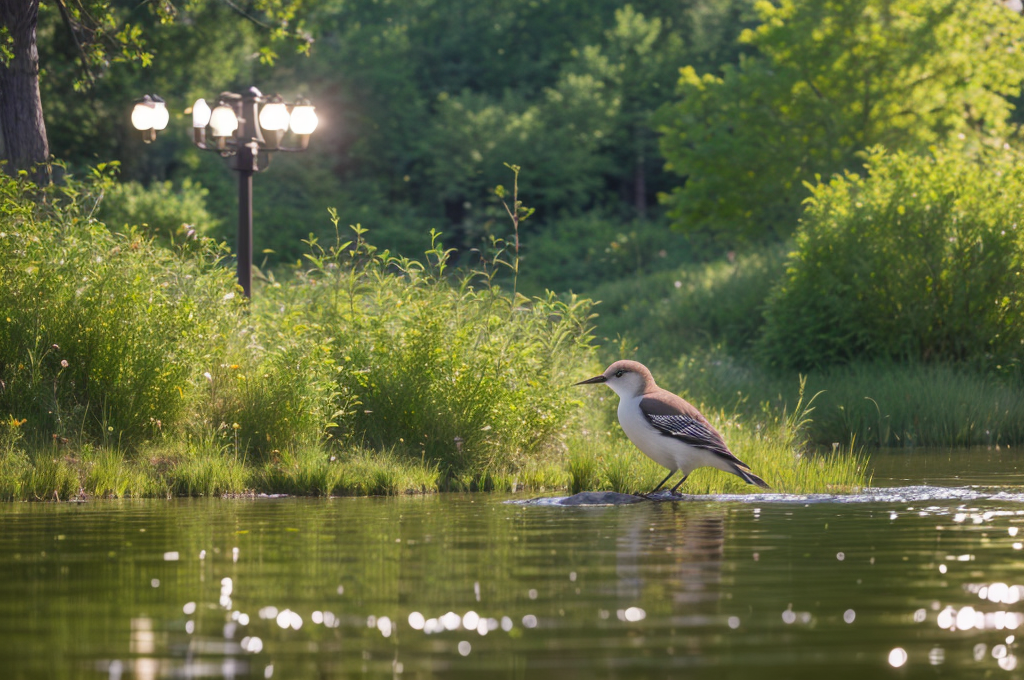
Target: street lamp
149, 116
240, 127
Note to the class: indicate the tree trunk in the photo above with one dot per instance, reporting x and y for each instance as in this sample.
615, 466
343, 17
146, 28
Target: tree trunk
21, 110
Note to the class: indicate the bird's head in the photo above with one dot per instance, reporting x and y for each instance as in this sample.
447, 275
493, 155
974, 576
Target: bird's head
628, 379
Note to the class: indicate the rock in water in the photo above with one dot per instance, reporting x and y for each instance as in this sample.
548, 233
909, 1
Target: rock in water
600, 498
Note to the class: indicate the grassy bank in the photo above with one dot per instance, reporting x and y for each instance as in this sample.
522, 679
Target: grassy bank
131, 368
877, 403
597, 457
698, 328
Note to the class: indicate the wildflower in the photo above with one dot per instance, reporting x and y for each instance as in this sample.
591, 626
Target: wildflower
63, 363
208, 376
236, 426
51, 346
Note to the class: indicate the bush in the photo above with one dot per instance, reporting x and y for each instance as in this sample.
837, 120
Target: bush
447, 371
161, 210
101, 335
922, 260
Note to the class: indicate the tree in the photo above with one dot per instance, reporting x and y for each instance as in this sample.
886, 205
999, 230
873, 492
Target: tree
21, 110
830, 78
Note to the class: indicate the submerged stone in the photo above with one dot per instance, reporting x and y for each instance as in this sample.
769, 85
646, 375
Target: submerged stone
600, 498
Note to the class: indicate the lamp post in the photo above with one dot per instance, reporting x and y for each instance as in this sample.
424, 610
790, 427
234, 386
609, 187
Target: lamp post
239, 128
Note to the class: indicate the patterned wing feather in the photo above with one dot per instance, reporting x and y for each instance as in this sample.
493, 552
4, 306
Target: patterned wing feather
692, 431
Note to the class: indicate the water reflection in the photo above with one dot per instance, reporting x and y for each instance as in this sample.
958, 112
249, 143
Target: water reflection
689, 538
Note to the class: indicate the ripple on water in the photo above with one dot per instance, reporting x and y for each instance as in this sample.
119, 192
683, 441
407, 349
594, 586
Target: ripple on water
770, 585
896, 494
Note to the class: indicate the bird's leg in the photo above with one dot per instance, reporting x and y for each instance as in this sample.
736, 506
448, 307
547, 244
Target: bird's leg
660, 484
673, 491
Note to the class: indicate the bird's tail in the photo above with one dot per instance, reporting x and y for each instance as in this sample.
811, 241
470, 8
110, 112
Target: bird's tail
744, 473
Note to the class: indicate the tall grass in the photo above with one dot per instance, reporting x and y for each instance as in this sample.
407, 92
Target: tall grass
918, 405
877, 403
203, 467
443, 368
102, 335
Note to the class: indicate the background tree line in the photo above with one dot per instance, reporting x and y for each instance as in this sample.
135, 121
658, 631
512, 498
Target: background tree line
651, 133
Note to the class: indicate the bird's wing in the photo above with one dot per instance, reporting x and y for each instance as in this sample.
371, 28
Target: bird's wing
683, 422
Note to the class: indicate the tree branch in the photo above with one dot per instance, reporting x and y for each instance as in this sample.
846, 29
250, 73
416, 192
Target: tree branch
78, 45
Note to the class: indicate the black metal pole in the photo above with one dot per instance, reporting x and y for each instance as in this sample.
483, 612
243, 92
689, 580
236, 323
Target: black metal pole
244, 245
246, 165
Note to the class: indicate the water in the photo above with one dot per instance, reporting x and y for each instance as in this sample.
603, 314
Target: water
924, 579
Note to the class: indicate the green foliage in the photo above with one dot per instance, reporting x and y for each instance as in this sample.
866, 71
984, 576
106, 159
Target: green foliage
203, 467
831, 78
452, 372
106, 32
672, 313
101, 334
159, 211
922, 261
419, 108
280, 394
914, 405
582, 468
14, 462
113, 473
580, 253
51, 477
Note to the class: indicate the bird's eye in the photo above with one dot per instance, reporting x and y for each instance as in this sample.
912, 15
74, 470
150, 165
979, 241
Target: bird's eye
618, 374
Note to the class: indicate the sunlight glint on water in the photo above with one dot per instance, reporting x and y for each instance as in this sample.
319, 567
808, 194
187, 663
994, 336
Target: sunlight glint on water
464, 585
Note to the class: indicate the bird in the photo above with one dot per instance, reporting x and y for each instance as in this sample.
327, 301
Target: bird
666, 427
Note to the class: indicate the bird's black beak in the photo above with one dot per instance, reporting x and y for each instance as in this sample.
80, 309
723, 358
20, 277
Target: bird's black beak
591, 381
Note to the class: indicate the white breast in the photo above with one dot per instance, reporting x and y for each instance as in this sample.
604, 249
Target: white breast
665, 451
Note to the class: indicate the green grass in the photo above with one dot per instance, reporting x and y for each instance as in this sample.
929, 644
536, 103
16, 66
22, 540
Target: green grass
666, 314
877, 404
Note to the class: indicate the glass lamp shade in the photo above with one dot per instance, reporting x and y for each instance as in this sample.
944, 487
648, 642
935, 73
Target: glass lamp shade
200, 114
160, 115
223, 121
274, 117
143, 115
303, 120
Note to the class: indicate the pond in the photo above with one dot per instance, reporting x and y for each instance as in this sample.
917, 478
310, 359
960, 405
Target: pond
924, 578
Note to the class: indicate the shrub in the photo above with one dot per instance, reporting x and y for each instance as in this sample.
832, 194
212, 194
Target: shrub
447, 371
922, 260
161, 210
101, 335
